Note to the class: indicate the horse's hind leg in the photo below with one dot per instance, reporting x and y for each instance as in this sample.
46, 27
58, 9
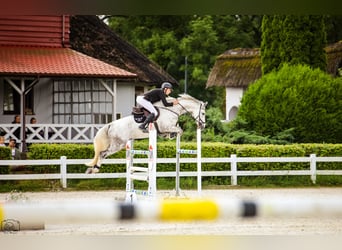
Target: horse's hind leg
101, 144
109, 150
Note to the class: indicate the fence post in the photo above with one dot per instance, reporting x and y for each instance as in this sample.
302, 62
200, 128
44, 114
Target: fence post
233, 169
199, 162
313, 168
177, 163
63, 172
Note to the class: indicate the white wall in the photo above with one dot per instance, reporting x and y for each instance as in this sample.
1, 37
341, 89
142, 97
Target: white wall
126, 98
233, 100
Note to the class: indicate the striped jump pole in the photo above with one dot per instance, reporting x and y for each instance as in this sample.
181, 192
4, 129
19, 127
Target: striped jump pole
142, 173
109, 211
16, 222
197, 152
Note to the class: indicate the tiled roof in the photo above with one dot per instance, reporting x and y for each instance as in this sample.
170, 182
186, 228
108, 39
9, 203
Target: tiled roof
91, 36
64, 62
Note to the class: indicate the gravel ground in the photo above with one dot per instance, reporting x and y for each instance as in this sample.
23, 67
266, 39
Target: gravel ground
234, 226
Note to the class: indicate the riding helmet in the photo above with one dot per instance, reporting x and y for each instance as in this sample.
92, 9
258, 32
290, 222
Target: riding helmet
166, 85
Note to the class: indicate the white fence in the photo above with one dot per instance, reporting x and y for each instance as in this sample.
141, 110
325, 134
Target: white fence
54, 133
232, 162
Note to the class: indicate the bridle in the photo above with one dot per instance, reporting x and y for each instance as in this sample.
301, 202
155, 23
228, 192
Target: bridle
198, 119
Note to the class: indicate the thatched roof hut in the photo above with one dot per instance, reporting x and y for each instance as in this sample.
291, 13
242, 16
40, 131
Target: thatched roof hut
91, 36
236, 68
240, 67
334, 57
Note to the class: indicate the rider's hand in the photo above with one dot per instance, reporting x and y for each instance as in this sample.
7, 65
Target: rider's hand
175, 102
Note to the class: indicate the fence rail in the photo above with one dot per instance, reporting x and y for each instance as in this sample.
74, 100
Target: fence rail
54, 133
233, 161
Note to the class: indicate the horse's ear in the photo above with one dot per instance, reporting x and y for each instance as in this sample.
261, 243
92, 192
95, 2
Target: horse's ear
205, 104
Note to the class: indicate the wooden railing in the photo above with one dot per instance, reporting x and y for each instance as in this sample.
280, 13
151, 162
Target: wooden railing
232, 168
54, 133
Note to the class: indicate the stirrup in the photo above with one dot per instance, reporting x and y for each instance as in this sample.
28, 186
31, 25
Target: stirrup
144, 130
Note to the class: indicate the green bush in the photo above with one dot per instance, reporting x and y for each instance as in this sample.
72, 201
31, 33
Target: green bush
5, 154
310, 101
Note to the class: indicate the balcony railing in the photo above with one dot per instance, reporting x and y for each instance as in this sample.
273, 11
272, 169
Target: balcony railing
54, 133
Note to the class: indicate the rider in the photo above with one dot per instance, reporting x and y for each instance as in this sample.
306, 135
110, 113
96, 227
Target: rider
153, 96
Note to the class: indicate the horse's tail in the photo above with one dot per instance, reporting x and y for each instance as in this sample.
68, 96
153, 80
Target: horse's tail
101, 143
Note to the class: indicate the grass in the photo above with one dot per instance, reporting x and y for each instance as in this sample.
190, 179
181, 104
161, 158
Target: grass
165, 183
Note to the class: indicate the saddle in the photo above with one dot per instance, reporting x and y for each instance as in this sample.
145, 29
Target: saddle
140, 114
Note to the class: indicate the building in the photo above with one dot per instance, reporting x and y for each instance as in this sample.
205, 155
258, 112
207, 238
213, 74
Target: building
72, 73
237, 68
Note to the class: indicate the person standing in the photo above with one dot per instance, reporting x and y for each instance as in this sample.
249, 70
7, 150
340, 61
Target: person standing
33, 120
2, 141
16, 154
17, 131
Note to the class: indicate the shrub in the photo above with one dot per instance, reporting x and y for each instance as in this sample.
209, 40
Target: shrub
310, 101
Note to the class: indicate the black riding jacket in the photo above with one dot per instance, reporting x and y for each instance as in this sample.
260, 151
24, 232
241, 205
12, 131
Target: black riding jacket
156, 95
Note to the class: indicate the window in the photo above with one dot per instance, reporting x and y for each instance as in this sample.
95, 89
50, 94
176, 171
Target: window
81, 101
339, 70
233, 113
139, 90
11, 104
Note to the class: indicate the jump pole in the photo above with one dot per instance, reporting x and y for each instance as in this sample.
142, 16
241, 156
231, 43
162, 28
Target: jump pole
109, 211
142, 173
180, 151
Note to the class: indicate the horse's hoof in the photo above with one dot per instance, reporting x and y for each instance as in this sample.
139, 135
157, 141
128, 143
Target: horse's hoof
89, 170
92, 170
95, 170
144, 130
173, 135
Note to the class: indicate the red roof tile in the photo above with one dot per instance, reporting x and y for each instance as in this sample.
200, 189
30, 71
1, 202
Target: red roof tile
55, 62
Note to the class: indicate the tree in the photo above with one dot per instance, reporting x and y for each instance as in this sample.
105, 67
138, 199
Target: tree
168, 39
293, 39
199, 46
333, 26
270, 43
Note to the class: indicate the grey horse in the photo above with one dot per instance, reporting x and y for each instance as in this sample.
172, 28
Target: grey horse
113, 137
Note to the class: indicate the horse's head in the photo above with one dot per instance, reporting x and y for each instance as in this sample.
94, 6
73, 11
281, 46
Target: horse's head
195, 107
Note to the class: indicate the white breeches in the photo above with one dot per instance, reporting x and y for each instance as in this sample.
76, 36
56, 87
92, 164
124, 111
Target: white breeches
147, 105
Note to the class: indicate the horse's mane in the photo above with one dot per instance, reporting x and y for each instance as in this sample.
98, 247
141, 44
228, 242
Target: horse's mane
181, 97
189, 97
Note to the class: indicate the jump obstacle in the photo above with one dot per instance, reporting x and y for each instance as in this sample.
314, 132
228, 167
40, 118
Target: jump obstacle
149, 174
109, 211
142, 173
197, 152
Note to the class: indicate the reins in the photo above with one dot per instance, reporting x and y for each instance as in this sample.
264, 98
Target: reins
197, 118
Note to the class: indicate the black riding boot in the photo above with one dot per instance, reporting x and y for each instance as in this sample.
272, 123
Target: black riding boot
149, 119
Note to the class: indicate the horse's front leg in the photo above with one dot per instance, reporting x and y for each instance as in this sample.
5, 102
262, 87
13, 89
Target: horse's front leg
177, 130
174, 131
